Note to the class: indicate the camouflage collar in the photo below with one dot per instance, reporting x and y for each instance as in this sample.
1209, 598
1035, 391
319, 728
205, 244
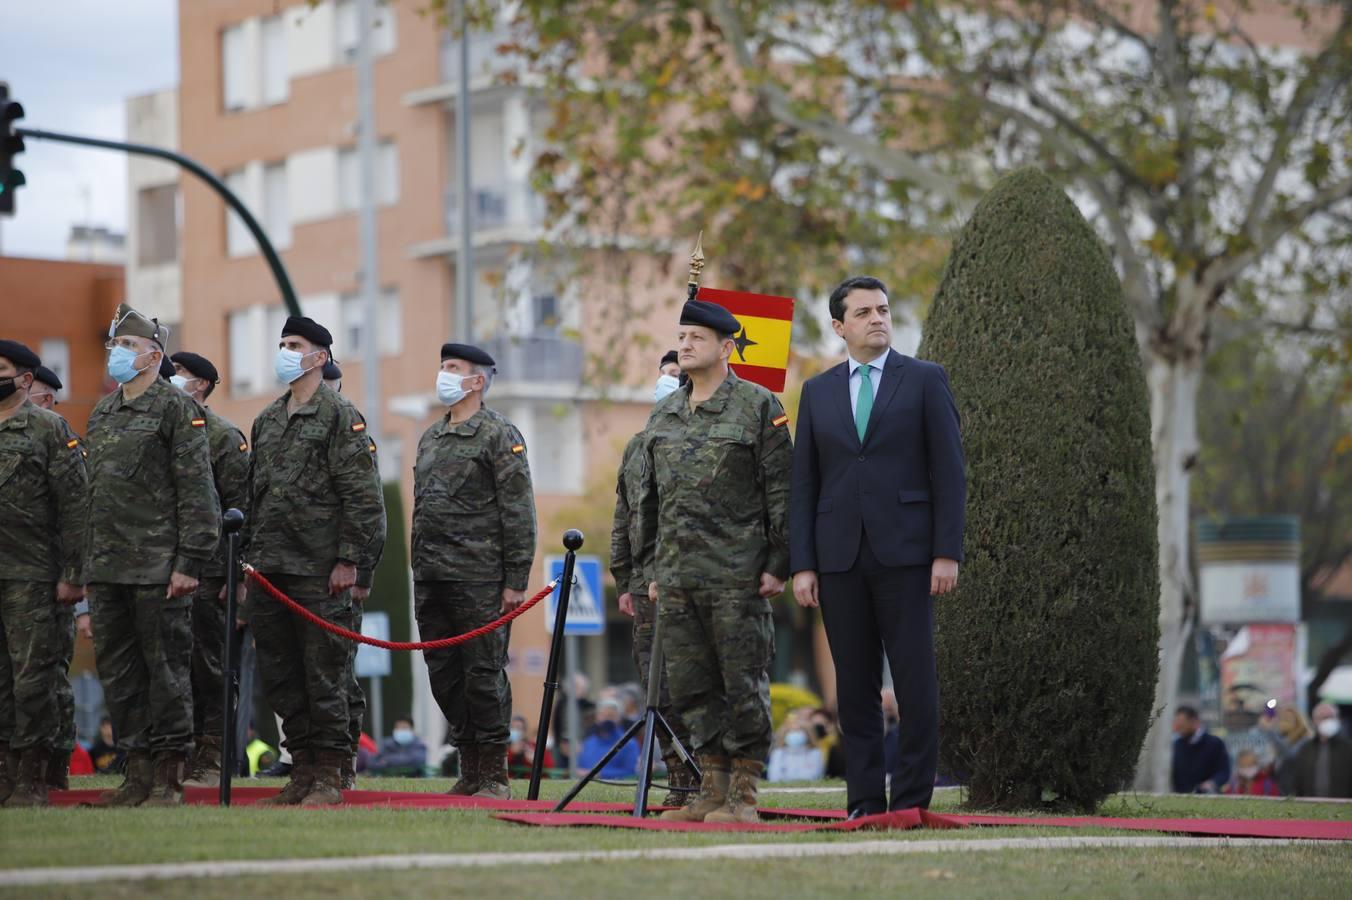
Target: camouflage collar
19, 420
309, 409
146, 400
719, 400
467, 427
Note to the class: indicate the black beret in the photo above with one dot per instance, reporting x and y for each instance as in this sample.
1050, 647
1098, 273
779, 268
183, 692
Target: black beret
19, 354
331, 371
166, 367
312, 331
198, 366
467, 352
47, 377
668, 358
710, 315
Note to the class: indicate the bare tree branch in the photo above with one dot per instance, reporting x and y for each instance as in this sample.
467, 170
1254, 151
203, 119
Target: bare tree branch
1225, 269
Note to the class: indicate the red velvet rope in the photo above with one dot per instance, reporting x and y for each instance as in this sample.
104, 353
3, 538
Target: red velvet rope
272, 591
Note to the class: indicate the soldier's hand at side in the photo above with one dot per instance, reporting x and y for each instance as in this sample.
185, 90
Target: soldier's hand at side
343, 576
805, 589
652, 592
359, 593
83, 626
241, 590
943, 576
180, 585
67, 593
512, 599
627, 604
771, 586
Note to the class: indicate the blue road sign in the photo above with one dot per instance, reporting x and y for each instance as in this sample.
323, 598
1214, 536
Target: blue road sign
587, 605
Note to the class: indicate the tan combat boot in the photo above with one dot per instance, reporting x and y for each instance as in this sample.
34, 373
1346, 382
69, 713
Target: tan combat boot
30, 787
713, 792
348, 771
678, 776
138, 773
468, 785
326, 787
302, 775
9, 768
58, 771
494, 783
741, 805
166, 788
205, 769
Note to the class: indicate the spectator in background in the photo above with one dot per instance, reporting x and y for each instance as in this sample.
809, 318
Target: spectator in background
1286, 732
1323, 765
521, 751
103, 752
891, 729
602, 736
1201, 764
794, 755
826, 733
402, 753
1250, 778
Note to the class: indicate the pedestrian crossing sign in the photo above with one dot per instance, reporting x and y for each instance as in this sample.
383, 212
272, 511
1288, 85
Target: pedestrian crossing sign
586, 605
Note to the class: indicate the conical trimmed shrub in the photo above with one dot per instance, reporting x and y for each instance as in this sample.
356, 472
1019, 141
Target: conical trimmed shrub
1047, 651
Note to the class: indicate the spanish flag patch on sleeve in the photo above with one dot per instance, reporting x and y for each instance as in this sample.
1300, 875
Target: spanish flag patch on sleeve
780, 420
360, 426
199, 423
518, 448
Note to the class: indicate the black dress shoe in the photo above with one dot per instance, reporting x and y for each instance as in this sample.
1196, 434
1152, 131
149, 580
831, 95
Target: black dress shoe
860, 811
278, 769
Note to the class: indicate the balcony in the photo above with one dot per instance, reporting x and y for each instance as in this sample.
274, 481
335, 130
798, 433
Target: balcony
485, 62
536, 359
496, 208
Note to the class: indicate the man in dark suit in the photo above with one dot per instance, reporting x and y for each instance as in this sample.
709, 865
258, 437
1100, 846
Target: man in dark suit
875, 529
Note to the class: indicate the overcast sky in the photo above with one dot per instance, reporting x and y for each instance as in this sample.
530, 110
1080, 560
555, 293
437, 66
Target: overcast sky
73, 64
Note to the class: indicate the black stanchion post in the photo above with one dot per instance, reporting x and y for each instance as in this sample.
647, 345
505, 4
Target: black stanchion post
232, 522
572, 542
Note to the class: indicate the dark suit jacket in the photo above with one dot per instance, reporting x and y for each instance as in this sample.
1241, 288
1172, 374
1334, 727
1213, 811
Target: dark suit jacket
906, 484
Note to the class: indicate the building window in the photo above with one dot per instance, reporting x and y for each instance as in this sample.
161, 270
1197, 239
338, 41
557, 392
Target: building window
245, 352
276, 221
353, 312
157, 225
55, 353
387, 176
238, 241
276, 86
384, 38
234, 69
545, 315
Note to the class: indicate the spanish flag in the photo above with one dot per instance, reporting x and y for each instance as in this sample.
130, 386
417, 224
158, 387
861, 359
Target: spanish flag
762, 353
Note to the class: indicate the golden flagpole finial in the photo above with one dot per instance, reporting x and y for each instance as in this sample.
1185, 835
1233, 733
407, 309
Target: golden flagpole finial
696, 266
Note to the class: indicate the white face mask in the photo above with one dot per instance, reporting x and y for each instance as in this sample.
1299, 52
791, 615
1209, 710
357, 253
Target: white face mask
1329, 728
1249, 772
181, 383
665, 385
450, 388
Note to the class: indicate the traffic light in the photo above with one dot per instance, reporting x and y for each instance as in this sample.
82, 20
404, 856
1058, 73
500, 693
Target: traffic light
11, 144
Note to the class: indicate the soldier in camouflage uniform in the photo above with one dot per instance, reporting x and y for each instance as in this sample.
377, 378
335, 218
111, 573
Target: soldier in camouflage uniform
473, 547
154, 525
43, 504
714, 515
632, 576
316, 517
197, 377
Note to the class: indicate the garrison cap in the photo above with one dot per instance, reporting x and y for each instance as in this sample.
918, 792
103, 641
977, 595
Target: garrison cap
47, 377
199, 366
709, 315
467, 352
668, 358
166, 368
308, 328
127, 321
19, 354
331, 371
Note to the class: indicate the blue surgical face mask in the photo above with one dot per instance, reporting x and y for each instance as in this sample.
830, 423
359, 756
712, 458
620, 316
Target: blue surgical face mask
288, 365
402, 736
180, 382
515, 735
122, 364
450, 388
665, 385
795, 739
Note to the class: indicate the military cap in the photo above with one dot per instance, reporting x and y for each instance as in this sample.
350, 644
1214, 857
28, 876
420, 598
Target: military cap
668, 358
467, 352
19, 354
47, 377
331, 371
127, 321
308, 328
198, 366
166, 368
709, 315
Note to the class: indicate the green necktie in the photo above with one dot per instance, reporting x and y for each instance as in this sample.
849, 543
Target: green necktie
864, 404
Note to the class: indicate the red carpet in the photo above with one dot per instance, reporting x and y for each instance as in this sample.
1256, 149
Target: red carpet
902, 820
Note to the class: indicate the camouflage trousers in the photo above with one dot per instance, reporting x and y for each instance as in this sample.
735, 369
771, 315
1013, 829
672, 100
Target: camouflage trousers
356, 697
208, 651
645, 611
143, 644
304, 669
65, 693
31, 643
469, 682
718, 646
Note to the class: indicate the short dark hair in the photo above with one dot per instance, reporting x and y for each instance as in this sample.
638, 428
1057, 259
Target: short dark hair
853, 283
211, 386
1186, 711
408, 719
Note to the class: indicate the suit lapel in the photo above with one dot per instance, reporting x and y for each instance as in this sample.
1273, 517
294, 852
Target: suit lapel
892, 374
840, 396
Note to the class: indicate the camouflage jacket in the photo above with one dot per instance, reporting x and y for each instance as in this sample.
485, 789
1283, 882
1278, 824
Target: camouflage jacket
230, 471
153, 508
631, 573
714, 509
314, 489
473, 506
44, 496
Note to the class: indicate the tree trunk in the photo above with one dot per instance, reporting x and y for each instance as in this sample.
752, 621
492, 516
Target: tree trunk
1174, 378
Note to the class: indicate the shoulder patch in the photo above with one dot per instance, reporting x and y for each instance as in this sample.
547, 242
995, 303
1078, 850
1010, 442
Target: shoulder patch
72, 443
518, 448
360, 426
199, 423
780, 420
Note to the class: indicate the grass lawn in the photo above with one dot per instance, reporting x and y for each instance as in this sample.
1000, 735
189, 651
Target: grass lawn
57, 837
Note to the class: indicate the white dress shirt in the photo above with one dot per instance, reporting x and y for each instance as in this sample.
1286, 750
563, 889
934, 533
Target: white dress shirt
875, 376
